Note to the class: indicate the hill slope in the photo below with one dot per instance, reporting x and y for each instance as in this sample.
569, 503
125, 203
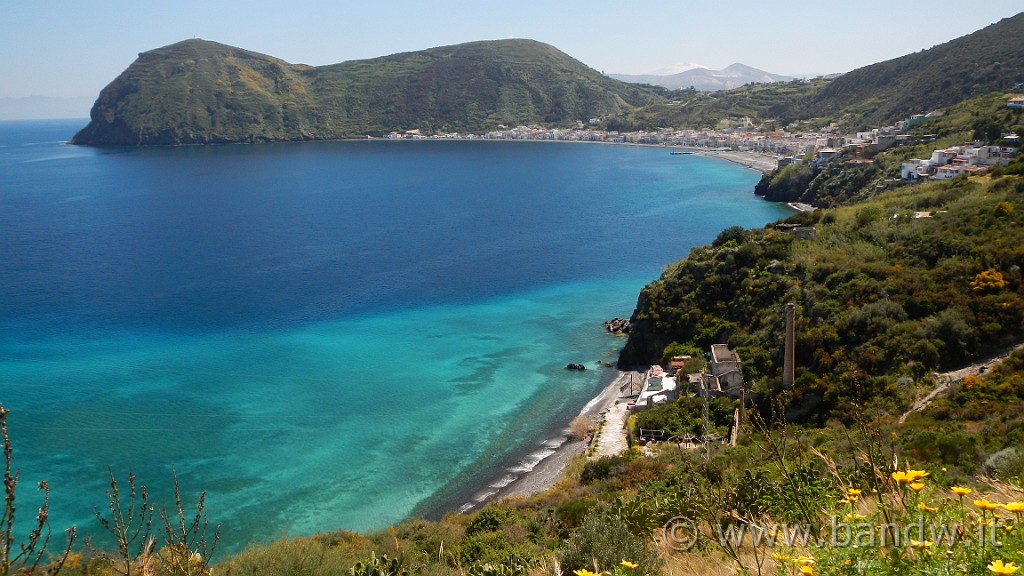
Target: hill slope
988, 60
991, 59
199, 92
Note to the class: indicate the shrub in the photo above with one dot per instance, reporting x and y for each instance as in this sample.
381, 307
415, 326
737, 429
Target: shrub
990, 280
734, 234
305, 556
582, 426
490, 519
601, 542
603, 468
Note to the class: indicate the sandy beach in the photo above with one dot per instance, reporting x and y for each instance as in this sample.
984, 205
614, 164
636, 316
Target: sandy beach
763, 163
610, 407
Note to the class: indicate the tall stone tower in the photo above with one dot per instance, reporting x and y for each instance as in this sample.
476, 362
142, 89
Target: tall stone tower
789, 359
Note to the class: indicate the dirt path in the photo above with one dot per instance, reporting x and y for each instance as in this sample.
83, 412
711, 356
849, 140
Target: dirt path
945, 380
612, 439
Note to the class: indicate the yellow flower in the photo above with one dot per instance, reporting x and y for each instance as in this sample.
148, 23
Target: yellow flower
807, 569
915, 475
916, 486
961, 491
853, 517
629, 564
804, 560
1015, 507
999, 568
780, 557
926, 508
901, 477
986, 505
584, 572
853, 491
921, 545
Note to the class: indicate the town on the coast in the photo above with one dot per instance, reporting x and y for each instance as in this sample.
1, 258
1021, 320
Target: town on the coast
777, 148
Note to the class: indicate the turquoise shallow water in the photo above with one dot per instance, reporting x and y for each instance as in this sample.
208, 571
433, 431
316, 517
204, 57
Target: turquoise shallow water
325, 335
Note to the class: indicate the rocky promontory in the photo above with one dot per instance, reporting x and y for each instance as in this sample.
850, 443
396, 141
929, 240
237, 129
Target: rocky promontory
201, 92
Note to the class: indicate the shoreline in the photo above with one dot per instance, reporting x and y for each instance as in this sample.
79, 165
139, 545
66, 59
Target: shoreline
763, 163
549, 470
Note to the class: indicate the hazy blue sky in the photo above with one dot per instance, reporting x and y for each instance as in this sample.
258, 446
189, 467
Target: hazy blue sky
75, 47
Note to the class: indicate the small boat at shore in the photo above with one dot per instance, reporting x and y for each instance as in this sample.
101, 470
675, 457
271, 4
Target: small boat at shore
681, 153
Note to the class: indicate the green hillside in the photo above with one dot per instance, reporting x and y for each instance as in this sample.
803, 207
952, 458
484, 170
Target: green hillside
883, 294
200, 92
991, 59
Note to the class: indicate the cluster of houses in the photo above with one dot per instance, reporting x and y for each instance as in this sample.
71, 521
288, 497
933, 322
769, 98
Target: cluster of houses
722, 375
952, 162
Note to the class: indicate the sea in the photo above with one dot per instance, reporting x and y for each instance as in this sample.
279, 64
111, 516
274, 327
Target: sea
322, 335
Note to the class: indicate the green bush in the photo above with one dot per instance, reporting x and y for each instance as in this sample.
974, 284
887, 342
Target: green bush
300, 557
601, 542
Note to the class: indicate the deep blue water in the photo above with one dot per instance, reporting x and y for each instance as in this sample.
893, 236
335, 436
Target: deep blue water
322, 335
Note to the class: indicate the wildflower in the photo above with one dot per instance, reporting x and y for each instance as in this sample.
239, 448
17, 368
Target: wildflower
999, 568
901, 477
628, 564
853, 517
916, 486
986, 505
921, 545
961, 491
926, 508
804, 561
584, 572
915, 475
1015, 507
807, 569
853, 491
780, 557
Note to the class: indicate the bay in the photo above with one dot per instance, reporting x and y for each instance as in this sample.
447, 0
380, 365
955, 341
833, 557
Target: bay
322, 335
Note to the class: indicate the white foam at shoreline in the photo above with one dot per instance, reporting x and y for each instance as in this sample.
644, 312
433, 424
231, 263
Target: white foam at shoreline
530, 462
503, 481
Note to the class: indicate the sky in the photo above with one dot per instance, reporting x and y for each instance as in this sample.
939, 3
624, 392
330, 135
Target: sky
73, 48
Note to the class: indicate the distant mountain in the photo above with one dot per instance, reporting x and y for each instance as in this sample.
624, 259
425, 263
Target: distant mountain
200, 92
44, 108
675, 69
707, 80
